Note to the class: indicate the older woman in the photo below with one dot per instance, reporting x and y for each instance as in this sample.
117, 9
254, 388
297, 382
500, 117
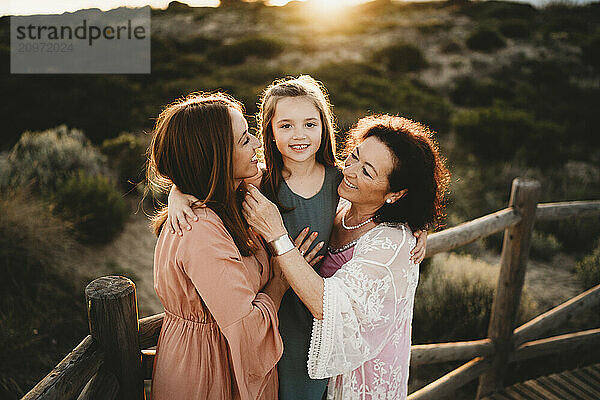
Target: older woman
394, 183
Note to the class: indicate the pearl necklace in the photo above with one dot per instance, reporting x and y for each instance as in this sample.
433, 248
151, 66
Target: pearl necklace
354, 226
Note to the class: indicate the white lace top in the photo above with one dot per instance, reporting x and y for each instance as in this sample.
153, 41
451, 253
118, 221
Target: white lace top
363, 341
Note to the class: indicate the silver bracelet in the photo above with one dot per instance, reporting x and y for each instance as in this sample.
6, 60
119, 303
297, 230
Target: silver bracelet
281, 245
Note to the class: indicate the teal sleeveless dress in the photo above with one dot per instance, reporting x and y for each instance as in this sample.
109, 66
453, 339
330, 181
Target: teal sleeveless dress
295, 321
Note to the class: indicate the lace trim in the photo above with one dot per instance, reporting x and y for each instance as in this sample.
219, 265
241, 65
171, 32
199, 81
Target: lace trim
321, 341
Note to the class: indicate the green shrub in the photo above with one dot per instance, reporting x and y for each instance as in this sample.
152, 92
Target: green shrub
127, 157
588, 269
572, 181
96, 209
454, 301
42, 159
401, 57
357, 89
237, 52
499, 9
451, 46
42, 310
544, 246
590, 52
485, 39
499, 133
470, 92
197, 44
515, 28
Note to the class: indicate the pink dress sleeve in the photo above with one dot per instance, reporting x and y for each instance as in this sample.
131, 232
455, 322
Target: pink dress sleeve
230, 290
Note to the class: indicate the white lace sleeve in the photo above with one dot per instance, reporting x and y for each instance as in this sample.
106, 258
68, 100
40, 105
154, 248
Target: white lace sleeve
363, 302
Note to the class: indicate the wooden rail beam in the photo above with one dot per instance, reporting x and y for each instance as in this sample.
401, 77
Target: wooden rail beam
513, 263
148, 362
543, 324
556, 344
447, 384
150, 330
104, 385
468, 232
567, 209
444, 352
68, 378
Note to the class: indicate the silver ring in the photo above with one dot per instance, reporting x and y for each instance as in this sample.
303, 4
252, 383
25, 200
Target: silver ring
301, 252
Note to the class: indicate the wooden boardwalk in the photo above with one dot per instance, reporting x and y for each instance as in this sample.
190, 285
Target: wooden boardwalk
578, 384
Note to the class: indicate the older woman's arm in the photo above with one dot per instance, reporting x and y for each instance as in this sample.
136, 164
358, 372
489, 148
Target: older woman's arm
265, 219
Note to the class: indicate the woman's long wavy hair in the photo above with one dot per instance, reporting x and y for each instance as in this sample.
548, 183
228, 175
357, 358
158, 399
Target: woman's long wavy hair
418, 167
192, 147
303, 86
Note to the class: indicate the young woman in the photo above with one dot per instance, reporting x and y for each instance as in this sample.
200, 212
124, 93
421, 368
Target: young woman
394, 183
301, 178
219, 338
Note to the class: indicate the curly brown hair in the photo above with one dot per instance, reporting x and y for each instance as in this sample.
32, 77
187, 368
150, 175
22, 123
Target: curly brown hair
418, 167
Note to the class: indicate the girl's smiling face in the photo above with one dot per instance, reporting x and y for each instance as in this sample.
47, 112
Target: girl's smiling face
297, 128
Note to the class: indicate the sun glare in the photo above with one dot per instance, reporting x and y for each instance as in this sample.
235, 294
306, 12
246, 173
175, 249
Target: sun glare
331, 7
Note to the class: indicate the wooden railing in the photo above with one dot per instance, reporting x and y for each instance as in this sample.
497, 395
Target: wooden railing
116, 357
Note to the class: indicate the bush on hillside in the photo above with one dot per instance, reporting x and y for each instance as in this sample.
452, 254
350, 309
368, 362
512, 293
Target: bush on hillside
515, 28
544, 246
42, 311
572, 181
127, 157
94, 206
471, 92
401, 57
588, 269
237, 52
359, 89
590, 52
498, 133
197, 44
499, 9
454, 301
42, 159
485, 39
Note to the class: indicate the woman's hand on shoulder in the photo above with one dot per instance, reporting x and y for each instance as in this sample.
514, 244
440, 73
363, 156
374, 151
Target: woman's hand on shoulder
180, 211
417, 254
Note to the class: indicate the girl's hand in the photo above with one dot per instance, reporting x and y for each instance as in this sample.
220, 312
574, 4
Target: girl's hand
262, 215
303, 243
418, 253
179, 210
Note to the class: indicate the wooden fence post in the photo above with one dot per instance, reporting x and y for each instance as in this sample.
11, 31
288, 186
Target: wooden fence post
513, 262
113, 320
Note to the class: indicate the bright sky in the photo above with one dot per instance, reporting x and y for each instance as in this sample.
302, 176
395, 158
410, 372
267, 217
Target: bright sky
28, 7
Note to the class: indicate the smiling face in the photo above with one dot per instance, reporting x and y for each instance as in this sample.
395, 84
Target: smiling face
297, 129
366, 173
245, 164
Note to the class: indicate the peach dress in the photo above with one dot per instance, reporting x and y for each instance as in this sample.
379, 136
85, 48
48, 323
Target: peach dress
219, 338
